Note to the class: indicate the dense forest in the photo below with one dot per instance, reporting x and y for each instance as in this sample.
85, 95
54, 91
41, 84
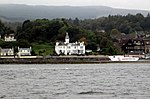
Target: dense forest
96, 33
124, 24
50, 31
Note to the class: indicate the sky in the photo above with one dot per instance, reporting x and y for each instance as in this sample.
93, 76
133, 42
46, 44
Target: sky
127, 4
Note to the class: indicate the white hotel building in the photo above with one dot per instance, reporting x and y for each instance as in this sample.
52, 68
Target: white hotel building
67, 48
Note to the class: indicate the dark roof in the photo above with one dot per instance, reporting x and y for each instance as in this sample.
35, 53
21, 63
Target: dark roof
72, 44
5, 49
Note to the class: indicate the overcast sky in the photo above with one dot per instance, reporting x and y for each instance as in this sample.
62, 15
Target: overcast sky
128, 4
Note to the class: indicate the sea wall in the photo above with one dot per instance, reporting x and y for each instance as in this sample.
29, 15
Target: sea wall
55, 60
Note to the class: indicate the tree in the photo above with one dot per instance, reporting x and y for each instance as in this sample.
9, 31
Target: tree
139, 17
83, 39
23, 43
25, 24
148, 15
1, 28
115, 34
76, 21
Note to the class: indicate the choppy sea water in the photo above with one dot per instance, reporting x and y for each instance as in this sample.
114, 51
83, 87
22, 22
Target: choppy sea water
75, 81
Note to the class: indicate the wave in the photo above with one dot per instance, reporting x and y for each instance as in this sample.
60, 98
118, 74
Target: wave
91, 92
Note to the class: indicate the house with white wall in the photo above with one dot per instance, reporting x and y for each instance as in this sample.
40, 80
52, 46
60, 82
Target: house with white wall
6, 51
9, 37
24, 51
67, 48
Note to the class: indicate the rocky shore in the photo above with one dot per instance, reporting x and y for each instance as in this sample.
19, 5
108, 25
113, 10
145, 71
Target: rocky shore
63, 60
55, 60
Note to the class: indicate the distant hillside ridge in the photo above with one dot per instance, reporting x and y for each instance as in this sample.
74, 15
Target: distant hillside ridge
19, 12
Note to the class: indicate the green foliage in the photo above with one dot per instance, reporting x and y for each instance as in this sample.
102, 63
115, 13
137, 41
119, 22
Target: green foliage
124, 24
1, 27
23, 43
115, 33
4, 44
110, 51
5, 30
43, 49
40, 29
39, 33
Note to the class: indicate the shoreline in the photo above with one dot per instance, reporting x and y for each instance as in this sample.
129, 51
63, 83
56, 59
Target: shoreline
65, 60
54, 60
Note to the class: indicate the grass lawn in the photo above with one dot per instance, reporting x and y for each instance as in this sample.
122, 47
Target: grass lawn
43, 49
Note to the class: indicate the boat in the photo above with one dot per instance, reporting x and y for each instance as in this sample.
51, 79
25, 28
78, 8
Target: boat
123, 58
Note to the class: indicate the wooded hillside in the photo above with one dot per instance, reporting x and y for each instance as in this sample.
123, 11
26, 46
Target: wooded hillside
96, 33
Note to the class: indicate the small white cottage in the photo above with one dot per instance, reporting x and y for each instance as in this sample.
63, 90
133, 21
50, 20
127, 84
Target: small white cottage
24, 51
67, 48
6, 51
9, 37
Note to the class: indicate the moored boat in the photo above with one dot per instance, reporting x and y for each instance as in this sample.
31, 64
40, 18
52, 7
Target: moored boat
123, 58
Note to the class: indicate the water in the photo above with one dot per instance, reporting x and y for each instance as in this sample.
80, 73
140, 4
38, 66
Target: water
75, 81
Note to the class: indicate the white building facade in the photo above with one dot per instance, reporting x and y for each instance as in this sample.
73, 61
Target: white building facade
9, 38
24, 51
6, 51
67, 48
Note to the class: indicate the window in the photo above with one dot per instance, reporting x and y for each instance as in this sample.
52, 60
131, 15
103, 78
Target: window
68, 51
129, 44
68, 47
81, 46
81, 51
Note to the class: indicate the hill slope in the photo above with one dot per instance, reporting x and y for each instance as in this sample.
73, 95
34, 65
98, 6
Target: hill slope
13, 12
